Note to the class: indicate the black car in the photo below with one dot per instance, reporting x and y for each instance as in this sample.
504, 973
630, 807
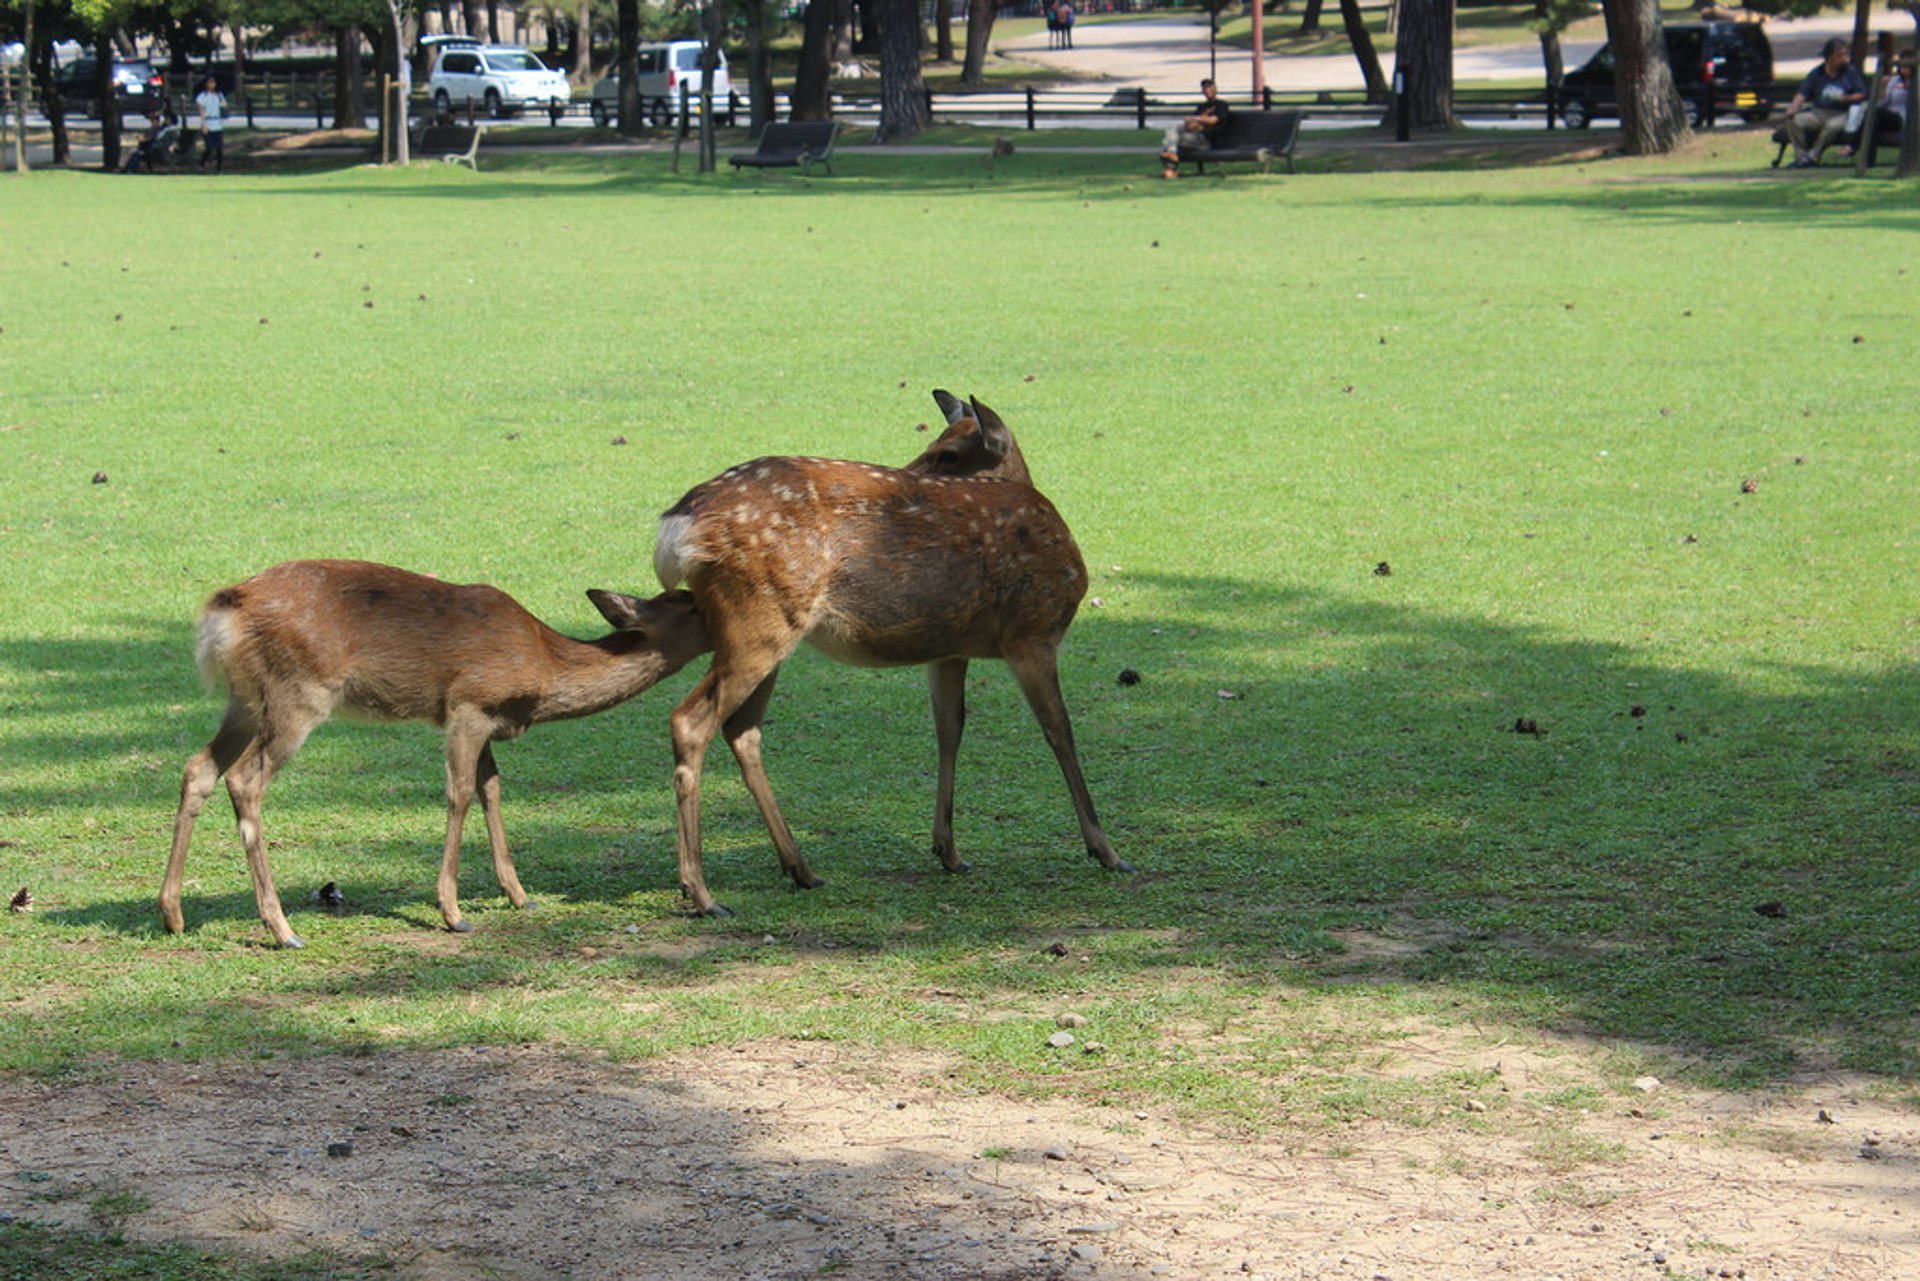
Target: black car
1720, 68
137, 87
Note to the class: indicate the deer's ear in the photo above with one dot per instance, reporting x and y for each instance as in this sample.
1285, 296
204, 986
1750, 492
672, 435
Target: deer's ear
627, 613
993, 430
952, 406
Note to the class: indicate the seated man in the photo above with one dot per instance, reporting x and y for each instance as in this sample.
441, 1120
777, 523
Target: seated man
1817, 116
1197, 130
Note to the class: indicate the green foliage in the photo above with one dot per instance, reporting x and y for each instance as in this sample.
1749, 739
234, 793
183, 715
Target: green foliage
1534, 397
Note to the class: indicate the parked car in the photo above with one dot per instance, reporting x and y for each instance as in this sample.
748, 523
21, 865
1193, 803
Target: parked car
1720, 68
664, 68
137, 87
501, 78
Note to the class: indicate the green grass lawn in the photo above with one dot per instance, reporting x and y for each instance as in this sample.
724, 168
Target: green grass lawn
1367, 468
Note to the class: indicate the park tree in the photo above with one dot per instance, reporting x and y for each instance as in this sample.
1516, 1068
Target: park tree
626, 64
757, 21
812, 97
1424, 62
1551, 17
351, 23
903, 93
1362, 41
980, 15
1653, 121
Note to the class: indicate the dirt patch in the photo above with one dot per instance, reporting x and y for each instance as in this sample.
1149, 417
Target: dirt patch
800, 1159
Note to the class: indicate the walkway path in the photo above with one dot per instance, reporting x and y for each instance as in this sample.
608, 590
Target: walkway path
1169, 55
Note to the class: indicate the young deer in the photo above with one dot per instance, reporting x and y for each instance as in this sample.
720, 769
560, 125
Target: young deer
299, 641
954, 557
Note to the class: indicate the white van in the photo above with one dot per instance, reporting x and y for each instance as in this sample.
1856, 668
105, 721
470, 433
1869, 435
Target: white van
663, 69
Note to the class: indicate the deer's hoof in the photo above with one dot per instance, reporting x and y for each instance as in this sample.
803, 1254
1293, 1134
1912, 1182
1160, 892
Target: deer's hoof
718, 910
292, 940
460, 927
957, 866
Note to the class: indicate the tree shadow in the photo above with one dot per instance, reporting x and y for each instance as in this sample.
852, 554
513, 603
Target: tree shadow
1315, 787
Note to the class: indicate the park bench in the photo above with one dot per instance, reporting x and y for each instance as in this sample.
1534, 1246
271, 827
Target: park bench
459, 143
801, 143
1250, 137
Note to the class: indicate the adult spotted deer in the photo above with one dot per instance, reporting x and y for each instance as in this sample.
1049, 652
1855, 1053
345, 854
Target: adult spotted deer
299, 641
954, 557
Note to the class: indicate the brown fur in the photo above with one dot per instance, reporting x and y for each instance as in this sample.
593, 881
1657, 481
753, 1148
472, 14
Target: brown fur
954, 557
303, 639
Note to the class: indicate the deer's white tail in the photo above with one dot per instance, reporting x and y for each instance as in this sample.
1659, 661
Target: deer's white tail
214, 643
673, 549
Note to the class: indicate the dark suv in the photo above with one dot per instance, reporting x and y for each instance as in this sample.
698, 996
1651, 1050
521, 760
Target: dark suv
137, 87
1720, 68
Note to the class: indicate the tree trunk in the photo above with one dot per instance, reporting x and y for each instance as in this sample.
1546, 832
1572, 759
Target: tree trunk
812, 79
581, 61
1423, 60
1653, 121
471, 17
980, 16
943, 30
54, 107
759, 67
493, 21
238, 98
1553, 59
903, 94
103, 92
1363, 51
1909, 166
627, 60
709, 63
22, 91
349, 80
1310, 19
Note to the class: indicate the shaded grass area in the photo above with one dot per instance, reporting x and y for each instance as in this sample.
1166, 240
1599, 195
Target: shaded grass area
1369, 470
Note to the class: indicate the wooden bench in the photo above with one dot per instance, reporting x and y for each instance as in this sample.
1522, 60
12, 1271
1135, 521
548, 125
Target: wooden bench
1250, 137
801, 143
1885, 133
457, 143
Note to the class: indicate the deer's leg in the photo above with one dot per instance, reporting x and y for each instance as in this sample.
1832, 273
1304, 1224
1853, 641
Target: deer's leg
947, 683
237, 730
720, 693
1039, 677
466, 741
742, 730
487, 780
279, 739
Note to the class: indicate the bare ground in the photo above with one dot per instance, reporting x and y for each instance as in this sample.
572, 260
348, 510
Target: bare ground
798, 1159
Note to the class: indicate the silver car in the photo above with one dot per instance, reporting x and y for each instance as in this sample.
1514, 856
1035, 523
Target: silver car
500, 78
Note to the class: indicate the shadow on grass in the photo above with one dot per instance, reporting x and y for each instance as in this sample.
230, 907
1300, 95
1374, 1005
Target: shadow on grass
1314, 788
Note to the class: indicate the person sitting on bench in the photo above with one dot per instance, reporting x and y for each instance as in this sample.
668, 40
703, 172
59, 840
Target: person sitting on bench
1196, 131
1818, 114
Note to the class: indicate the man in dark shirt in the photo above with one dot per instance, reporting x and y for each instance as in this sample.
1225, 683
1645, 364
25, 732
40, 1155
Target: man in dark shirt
1197, 130
1817, 116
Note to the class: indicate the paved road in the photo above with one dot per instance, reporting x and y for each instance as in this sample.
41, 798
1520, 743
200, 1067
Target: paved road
1169, 55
